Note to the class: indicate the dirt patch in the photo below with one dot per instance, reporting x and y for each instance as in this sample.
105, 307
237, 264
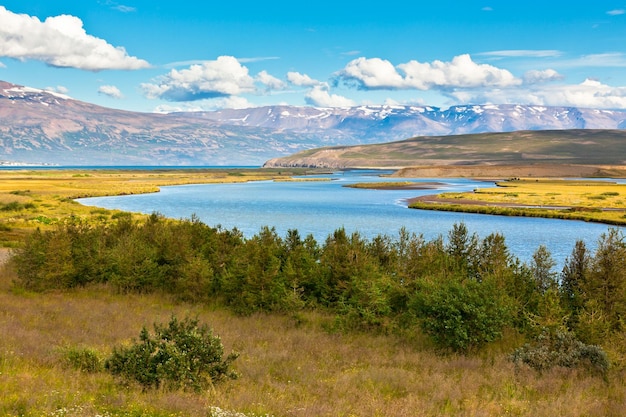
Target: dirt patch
5, 254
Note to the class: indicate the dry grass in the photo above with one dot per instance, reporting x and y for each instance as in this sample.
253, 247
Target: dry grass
50, 193
288, 367
600, 201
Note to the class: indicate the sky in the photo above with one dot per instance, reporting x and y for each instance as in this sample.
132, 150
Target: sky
162, 56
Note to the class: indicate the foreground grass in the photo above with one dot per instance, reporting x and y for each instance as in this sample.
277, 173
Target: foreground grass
289, 366
40, 198
599, 201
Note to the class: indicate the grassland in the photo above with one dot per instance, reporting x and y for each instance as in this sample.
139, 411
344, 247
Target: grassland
40, 198
599, 201
289, 364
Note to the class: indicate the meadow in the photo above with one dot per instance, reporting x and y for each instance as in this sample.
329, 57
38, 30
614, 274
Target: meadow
289, 366
589, 200
333, 351
31, 199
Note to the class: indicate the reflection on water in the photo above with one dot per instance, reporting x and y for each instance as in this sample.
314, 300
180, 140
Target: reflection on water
320, 207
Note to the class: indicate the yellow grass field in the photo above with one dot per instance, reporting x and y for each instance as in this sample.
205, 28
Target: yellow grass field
40, 198
591, 200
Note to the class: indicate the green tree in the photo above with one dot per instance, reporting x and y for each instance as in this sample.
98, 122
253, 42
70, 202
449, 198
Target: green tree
541, 267
604, 290
573, 277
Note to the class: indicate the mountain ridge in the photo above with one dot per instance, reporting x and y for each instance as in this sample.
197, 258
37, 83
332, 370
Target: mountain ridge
43, 127
594, 148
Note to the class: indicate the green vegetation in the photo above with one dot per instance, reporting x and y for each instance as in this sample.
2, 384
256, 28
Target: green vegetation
38, 198
347, 326
182, 355
350, 325
464, 293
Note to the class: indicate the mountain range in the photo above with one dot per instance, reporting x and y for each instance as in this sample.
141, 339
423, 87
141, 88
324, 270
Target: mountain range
43, 127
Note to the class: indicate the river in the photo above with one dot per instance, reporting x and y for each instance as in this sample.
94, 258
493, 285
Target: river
320, 207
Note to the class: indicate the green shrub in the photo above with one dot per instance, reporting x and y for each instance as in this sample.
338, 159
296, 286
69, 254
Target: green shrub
182, 355
83, 359
560, 348
462, 316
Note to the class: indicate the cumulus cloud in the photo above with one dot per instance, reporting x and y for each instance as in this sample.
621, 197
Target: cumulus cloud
461, 72
60, 41
111, 91
271, 82
212, 79
541, 76
302, 80
589, 94
372, 73
320, 97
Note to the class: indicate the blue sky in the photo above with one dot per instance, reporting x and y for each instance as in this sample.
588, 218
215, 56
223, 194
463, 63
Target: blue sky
182, 55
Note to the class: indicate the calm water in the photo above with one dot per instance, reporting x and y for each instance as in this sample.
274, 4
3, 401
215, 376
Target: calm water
321, 207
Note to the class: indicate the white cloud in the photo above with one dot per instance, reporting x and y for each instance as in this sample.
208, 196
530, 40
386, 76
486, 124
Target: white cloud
524, 53
320, 97
541, 76
616, 12
302, 80
588, 94
271, 82
2, 65
609, 59
372, 73
233, 102
58, 89
110, 90
461, 72
247, 60
60, 41
211, 79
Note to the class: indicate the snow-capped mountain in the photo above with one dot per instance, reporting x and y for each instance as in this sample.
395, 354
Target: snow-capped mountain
39, 126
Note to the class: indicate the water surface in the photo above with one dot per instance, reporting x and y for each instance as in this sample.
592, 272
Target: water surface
321, 207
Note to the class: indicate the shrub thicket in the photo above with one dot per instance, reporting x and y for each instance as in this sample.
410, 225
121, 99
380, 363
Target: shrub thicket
463, 291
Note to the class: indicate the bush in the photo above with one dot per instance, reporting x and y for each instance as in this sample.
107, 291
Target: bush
560, 348
182, 355
462, 316
83, 359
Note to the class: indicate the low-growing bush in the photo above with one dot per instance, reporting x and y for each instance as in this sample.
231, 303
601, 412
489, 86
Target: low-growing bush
561, 348
183, 355
83, 359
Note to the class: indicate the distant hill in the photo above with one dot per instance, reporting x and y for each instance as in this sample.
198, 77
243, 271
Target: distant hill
42, 127
521, 148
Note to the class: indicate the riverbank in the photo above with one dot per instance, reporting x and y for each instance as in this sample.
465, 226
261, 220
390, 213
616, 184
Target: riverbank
41, 198
502, 172
597, 201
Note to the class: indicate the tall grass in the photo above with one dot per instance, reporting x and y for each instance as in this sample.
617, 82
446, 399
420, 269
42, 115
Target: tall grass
289, 366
